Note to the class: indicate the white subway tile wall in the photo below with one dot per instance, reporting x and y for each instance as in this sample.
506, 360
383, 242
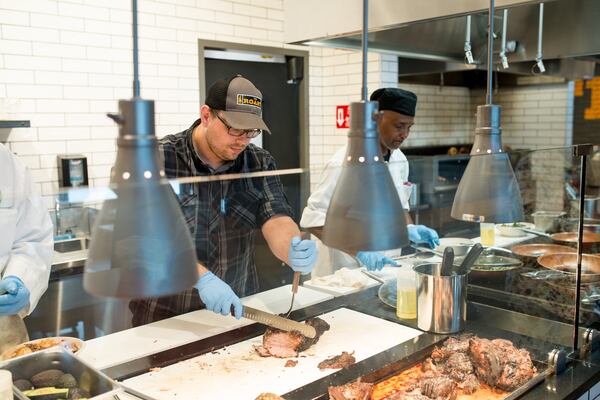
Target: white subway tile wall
65, 63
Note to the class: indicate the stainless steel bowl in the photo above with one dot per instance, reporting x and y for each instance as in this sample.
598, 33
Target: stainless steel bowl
547, 221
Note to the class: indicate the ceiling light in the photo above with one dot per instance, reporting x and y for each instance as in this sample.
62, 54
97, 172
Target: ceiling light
488, 190
140, 245
365, 212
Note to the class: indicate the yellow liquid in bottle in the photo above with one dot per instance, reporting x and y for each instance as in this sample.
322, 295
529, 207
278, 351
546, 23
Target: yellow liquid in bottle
487, 234
406, 303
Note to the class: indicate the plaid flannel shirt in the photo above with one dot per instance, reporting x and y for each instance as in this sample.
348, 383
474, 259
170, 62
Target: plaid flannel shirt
223, 217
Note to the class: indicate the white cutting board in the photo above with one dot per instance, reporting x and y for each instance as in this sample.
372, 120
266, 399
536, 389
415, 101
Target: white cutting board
130, 344
235, 372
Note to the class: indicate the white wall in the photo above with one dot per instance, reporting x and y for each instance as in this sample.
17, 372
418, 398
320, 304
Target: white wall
65, 63
534, 116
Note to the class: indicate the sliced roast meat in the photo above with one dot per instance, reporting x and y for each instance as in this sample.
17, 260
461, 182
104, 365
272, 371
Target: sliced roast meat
351, 391
441, 387
344, 360
282, 344
320, 327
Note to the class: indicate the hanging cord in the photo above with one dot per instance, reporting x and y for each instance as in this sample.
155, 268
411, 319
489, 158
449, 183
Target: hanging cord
490, 53
365, 36
136, 81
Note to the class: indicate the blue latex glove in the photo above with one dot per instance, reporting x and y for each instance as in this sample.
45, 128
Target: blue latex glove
302, 255
421, 234
218, 296
373, 260
15, 296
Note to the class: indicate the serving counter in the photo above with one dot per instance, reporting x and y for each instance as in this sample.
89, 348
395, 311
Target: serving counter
193, 355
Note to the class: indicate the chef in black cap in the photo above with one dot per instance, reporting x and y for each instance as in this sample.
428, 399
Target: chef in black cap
397, 117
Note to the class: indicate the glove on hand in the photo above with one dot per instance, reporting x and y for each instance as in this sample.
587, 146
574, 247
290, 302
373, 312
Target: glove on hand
218, 296
302, 255
421, 234
14, 296
374, 261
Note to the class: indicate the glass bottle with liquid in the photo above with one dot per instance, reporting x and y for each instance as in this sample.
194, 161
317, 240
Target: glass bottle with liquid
406, 294
487, 233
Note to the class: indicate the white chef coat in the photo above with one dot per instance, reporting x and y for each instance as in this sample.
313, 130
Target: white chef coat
315, 211
26, 243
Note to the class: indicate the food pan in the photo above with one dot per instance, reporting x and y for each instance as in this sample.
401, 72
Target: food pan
540, 249
99, 385
567, 264
571, 237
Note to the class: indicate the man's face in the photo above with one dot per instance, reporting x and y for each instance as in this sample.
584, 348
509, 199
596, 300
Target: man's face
224, 145
394, 128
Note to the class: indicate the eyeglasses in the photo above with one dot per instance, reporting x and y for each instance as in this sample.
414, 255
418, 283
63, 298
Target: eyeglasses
250, 133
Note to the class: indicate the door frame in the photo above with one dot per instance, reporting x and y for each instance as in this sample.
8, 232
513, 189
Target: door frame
303, 102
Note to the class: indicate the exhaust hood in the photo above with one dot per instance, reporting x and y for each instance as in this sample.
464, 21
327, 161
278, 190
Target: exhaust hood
431, 39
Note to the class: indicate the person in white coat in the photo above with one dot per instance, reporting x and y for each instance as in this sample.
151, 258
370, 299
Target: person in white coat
398, 114
26, 242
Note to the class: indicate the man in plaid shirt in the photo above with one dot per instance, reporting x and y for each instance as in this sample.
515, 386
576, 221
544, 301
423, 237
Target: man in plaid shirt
222, 215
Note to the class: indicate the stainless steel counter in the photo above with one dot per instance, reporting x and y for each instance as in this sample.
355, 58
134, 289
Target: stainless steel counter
66, 308
484, 320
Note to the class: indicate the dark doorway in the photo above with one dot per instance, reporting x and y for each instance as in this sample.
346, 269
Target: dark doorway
281, 113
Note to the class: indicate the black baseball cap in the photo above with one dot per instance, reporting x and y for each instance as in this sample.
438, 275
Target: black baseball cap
240, 101
394, 99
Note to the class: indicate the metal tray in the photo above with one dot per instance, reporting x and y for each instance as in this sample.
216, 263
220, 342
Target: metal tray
95, 382
370, 371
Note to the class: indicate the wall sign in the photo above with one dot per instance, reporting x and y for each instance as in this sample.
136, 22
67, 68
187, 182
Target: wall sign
342, 117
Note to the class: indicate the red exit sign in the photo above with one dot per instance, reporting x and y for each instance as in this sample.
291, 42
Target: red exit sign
342, 116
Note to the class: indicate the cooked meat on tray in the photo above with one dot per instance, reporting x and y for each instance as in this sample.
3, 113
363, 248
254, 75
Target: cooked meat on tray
282, 344
501, 364
344, 360
463, 365
351, 391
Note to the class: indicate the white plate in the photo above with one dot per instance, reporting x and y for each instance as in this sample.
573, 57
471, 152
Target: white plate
71, 344
513, 231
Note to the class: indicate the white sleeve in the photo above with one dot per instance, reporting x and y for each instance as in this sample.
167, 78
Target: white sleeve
30, 257
316, 207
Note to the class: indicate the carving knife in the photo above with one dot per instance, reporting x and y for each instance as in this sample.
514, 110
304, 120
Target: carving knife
278, 322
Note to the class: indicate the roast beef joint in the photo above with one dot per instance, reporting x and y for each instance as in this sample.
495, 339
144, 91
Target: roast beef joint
282, 344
